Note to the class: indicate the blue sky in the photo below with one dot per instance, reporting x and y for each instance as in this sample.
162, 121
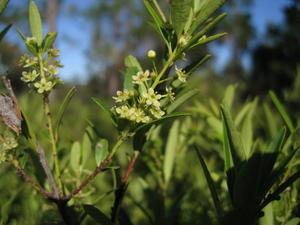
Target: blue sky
73, 53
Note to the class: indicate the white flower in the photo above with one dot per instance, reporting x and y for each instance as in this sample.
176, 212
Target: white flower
29, 76
30, 62
141, 77
157, 112
151, 98
52, 70
138, 115
170, 93
43, 85
122, 96
124, 111
181, 74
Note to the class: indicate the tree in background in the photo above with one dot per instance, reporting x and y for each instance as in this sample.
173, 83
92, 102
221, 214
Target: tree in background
275, 60
241, 32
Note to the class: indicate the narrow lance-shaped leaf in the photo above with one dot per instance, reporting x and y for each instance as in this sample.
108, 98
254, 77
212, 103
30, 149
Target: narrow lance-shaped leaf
180, 10
158, 121
62, 109
3, 5
35, 22
101, 150
182, 99
75, 156
170, 152
97, 215
210, 183
4, 31
282, 111
207, 9
106, 109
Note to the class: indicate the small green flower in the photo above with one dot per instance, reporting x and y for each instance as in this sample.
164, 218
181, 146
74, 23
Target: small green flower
52, 70
30, 62
124, 111
29, 76
183, 40
170, 93
138, 115
157, 112
43, 86
151, 97
23, 59
181, 74
53, 52
141, 77
122, 96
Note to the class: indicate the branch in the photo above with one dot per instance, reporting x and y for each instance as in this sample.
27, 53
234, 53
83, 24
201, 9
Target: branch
36, 186
47, 170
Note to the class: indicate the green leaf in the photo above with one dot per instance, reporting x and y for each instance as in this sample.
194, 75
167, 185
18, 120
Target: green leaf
180, 10
206, 40
170, 152
158, 121
268, 218
153, 12
106, 109
4, 31
35, 22
62, 109
270, 120
128, 78
27, 129
75, 156
233, 146
49, 40
101, 151
97, 215
86, 149
196, 64
208, 7
294, 221
21, 35
282, 111
131, 61
210, 183
3, 5
208, 27
229, 95
182, 99
247, 129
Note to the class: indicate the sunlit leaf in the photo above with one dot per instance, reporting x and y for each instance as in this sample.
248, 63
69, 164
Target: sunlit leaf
35, 22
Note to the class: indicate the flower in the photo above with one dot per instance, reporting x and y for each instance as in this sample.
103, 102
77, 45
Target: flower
53, 52
23, 59
157, 112
181, 74
29, 76
170, 93
122, 96
124, 111
151, 97
151, 54
141, 77
30, 62
52, 70
138, 115
43, 85
183, 40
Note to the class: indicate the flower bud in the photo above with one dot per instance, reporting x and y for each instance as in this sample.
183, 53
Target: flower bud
151, 54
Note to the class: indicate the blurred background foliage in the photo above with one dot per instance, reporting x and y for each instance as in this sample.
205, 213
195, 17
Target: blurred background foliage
119, 28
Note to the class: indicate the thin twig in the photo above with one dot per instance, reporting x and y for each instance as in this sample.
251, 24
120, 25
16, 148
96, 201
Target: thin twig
130, 168
87, 180
47, 170
36, 186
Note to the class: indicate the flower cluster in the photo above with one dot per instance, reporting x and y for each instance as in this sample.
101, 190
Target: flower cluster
143, 103
41, 72
7, 142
